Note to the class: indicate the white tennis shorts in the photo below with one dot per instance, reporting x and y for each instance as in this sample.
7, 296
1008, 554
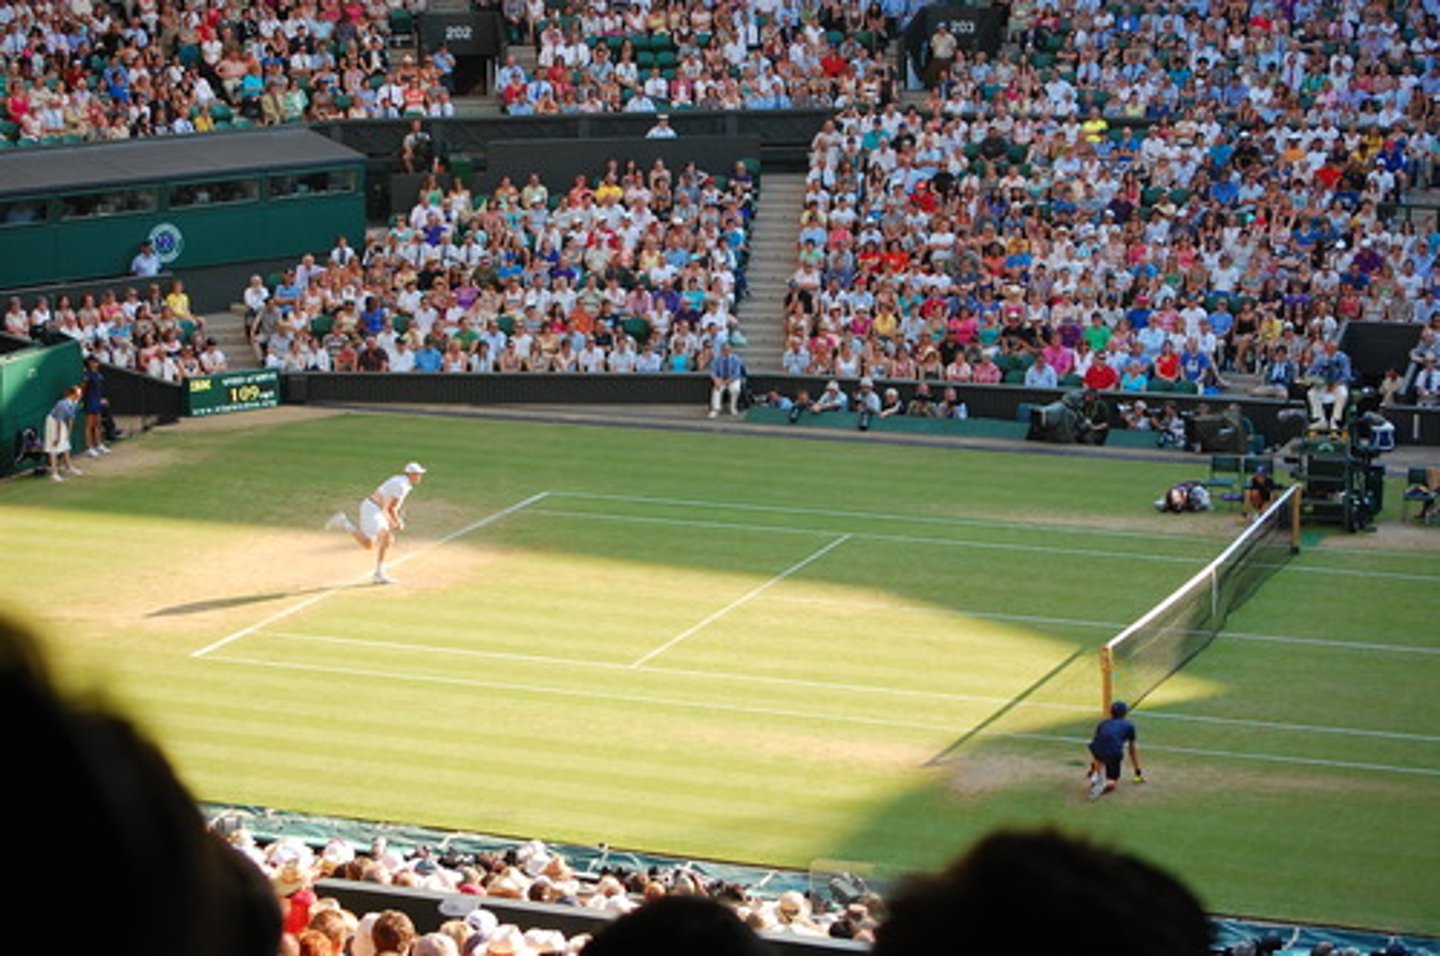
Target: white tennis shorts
372, 519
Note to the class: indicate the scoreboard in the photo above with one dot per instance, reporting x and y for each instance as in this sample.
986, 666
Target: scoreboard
232, 392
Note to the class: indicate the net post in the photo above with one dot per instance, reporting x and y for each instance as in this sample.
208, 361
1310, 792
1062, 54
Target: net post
1107, 678
1295, 502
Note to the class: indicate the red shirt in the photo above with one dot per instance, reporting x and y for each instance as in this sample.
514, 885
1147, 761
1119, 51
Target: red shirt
1101, 377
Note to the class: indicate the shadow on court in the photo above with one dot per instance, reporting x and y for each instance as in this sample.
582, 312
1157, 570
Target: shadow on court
240, 600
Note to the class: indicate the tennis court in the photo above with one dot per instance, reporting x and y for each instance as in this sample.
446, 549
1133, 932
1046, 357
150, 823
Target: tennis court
747, 649
856, 619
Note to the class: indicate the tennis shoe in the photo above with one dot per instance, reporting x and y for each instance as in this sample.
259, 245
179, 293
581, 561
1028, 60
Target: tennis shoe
92, 452
339, 521
103, 448
72, 470
380, 577
56, 476
1097, 789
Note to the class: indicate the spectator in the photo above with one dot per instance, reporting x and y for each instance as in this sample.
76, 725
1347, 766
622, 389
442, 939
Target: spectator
1329, 378
175, 887
675, 924
1427, 383
146, 263
1060, 888
831, 400
727, 377
662, 128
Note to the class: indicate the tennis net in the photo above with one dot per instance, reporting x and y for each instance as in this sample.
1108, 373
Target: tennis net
1141, 657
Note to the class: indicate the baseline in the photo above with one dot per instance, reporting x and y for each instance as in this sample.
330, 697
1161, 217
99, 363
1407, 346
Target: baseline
1289, 567
869, 515
330, 592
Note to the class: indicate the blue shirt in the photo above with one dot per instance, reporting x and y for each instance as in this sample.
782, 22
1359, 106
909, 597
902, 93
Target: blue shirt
1111, 736
727, 366
64, 411
1331, 369
1194, 365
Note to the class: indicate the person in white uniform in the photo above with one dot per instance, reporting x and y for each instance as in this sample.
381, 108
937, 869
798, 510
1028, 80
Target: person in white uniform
380, 517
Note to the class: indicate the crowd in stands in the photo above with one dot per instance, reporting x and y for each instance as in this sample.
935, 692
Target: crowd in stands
1150, 198
88, 70
156, 332
747, 55
532, 872
637, 270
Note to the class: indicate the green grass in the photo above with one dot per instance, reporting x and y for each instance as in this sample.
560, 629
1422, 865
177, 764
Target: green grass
751, 649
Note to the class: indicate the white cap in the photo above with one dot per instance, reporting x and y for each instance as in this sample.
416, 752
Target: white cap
414, 468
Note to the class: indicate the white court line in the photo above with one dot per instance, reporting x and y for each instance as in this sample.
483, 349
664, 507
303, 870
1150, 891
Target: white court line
741, 600
876, 536
878, 516
891, 607
762, 679
1288, 567
782, 712
818, 685
979, 523
586, 694
1241, 755
330, 592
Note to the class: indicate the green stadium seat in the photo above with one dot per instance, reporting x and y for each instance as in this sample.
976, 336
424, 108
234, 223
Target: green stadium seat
402, 25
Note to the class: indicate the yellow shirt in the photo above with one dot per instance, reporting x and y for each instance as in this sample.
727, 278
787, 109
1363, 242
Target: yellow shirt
179, 304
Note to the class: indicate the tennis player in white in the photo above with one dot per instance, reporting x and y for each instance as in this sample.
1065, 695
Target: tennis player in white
380, 517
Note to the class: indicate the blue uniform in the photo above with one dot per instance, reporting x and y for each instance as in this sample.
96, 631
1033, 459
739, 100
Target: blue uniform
94, 391
1108, 745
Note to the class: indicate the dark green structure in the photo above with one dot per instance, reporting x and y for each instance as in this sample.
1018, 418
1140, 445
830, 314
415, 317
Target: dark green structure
80, 212
32, 380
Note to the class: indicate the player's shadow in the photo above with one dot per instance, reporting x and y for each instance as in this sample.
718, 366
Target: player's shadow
239, 600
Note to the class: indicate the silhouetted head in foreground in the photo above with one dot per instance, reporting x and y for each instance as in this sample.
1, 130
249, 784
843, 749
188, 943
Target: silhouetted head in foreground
107, 830
692, 925
1045, 892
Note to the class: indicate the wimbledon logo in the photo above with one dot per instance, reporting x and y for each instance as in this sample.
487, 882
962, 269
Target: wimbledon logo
168, 242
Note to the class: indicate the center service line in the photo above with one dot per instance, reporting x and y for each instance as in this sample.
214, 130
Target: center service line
743, 599
329, 592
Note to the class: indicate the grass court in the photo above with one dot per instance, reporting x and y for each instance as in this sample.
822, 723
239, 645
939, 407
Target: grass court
746, 648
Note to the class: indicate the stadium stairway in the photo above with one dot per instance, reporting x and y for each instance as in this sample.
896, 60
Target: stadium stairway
228, 331
772, 260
